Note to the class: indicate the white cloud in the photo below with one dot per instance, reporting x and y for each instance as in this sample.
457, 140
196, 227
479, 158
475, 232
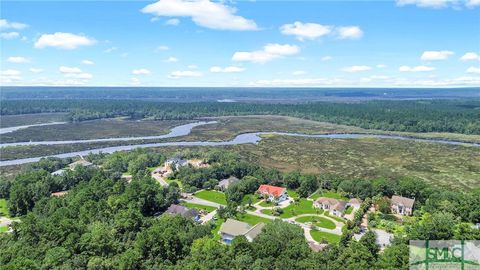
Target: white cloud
230, 69
135, 81
74, 73
435, 55
470, 56
426, 3
326, 58
171, 59
305, 30
300, 82
299, 72
349, 32
87, 62
18, 59
111, 49
162, 48
10, 76
473, 70
5, 24
192, 66
141, 71
9, 35
172, 22
213, 15
67, 41
269, 52
472, 3
36, 70
381, 66
415, 69
184, 73
356, 68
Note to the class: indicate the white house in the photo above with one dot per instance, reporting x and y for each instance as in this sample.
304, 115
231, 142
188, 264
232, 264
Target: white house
273, 193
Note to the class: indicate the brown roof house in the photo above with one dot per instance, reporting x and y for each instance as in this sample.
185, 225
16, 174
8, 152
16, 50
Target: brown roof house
181, 210
334, 206
273, 193
401, 205
232, 228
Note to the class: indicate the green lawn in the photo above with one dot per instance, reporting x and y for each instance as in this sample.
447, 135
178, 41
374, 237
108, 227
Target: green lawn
349, 210
3, 229
331, 238
293, 194
328, 194
339, 219
304, 206
3, 208
169, 181
251, 219
199, 206
318, 221
213, 196
266, 204
254, 198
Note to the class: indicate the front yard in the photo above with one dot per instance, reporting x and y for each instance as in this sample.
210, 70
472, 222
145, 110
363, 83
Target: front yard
324, 236
199, 206
299, 207
212, 196
317, 221
251, 219
3, 208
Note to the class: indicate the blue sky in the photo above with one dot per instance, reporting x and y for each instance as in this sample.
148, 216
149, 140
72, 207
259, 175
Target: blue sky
400, 43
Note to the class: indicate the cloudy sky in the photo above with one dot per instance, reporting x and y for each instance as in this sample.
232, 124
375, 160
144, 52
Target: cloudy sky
399, 43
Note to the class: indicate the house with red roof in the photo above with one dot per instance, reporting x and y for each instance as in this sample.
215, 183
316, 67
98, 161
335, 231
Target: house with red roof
273, 193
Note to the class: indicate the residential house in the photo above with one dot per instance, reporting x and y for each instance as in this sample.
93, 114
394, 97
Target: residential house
82, 162
401, 205
232, 228
177, 162
225, 183
334, 206
60, 172
59, 194
355, 203
181, 210
273, 193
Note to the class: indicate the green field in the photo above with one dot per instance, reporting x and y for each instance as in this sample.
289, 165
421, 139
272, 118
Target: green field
30, 119
266, 204
251, 219
253, 197
3, 208
302, 206
3, 229
349, 210
319, 236
318, 221
199, 206
212, 196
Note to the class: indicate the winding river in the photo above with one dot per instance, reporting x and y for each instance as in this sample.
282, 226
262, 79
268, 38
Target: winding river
246, 138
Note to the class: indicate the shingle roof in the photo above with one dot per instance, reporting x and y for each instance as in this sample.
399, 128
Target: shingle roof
228, 181
402, 200
271, 190
355, 201
234, 227
338, 205
254, 231
176, 209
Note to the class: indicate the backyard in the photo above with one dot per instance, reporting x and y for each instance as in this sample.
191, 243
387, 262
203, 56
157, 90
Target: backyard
212, 196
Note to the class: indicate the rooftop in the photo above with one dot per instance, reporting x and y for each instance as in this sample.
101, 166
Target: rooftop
271, 190
403, 200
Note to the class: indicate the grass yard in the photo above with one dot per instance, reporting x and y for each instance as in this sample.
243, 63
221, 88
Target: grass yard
251, 219
329, 237
293, 194
199, 206
318, 221
3, 208
339, 219
3, 229
349, 210
332, 194
266, 204
304, 206
212, 196
253, 198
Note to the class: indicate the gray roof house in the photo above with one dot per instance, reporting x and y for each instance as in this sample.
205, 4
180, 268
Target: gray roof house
225, 183
232, 228
176, 161
181, 210
81, 162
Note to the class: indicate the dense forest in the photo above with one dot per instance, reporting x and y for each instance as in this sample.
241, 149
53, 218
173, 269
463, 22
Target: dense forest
104, 222
457, 116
